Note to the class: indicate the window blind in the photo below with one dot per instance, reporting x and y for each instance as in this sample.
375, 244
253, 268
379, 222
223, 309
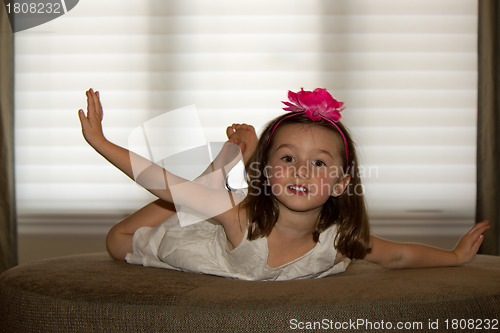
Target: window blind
406, 71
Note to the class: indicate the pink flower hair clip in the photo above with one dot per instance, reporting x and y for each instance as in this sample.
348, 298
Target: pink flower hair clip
316, 105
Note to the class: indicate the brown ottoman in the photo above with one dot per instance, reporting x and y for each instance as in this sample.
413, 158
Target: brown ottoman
93, 292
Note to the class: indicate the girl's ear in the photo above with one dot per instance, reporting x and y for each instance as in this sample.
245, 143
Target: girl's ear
340, 187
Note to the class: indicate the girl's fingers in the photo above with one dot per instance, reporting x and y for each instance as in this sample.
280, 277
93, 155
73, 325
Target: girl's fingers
94, 106
90, 106
480, 227
89, 103
478, 243
97, 105
100, 104
83, 118
475, 235
94, 102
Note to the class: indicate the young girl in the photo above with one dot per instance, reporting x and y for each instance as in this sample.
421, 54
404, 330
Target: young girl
304, 215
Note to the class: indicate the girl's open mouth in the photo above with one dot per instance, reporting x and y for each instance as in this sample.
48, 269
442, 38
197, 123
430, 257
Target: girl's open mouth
298, 189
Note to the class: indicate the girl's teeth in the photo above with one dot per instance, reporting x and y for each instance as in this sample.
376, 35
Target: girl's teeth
298, 188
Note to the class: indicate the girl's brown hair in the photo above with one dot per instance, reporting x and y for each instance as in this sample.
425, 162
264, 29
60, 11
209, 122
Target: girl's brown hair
348, 210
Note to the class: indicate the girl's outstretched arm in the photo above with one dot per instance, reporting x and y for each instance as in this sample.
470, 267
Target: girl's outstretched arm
394, 255
205, 199
116, 155
93, 134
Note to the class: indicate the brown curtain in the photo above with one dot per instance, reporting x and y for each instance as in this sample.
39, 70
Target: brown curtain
8, 230
488, 137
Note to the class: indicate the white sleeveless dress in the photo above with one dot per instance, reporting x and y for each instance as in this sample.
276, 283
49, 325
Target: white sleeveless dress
202, 248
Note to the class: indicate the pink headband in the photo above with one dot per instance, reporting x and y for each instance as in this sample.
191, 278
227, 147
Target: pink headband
316, 105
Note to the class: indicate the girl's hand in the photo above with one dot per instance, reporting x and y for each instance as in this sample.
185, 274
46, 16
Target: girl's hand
469, 244
91, 123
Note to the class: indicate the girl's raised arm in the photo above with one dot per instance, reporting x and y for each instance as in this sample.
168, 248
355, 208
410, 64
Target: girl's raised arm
207, 200
93, 134
394, 255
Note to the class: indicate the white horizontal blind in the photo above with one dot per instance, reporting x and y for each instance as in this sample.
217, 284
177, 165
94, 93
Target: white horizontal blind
405, 69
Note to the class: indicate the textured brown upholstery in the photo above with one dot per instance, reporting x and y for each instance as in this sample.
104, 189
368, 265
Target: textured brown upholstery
95, 293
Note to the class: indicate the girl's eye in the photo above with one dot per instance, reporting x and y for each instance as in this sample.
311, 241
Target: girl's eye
288, 159
319, 163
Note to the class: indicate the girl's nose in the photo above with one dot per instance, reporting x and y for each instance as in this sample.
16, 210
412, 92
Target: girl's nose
302, 170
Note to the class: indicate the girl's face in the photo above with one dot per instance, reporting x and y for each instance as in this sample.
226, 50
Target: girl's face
305, 166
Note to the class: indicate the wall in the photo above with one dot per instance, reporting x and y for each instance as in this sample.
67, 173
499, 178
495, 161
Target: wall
33, 248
